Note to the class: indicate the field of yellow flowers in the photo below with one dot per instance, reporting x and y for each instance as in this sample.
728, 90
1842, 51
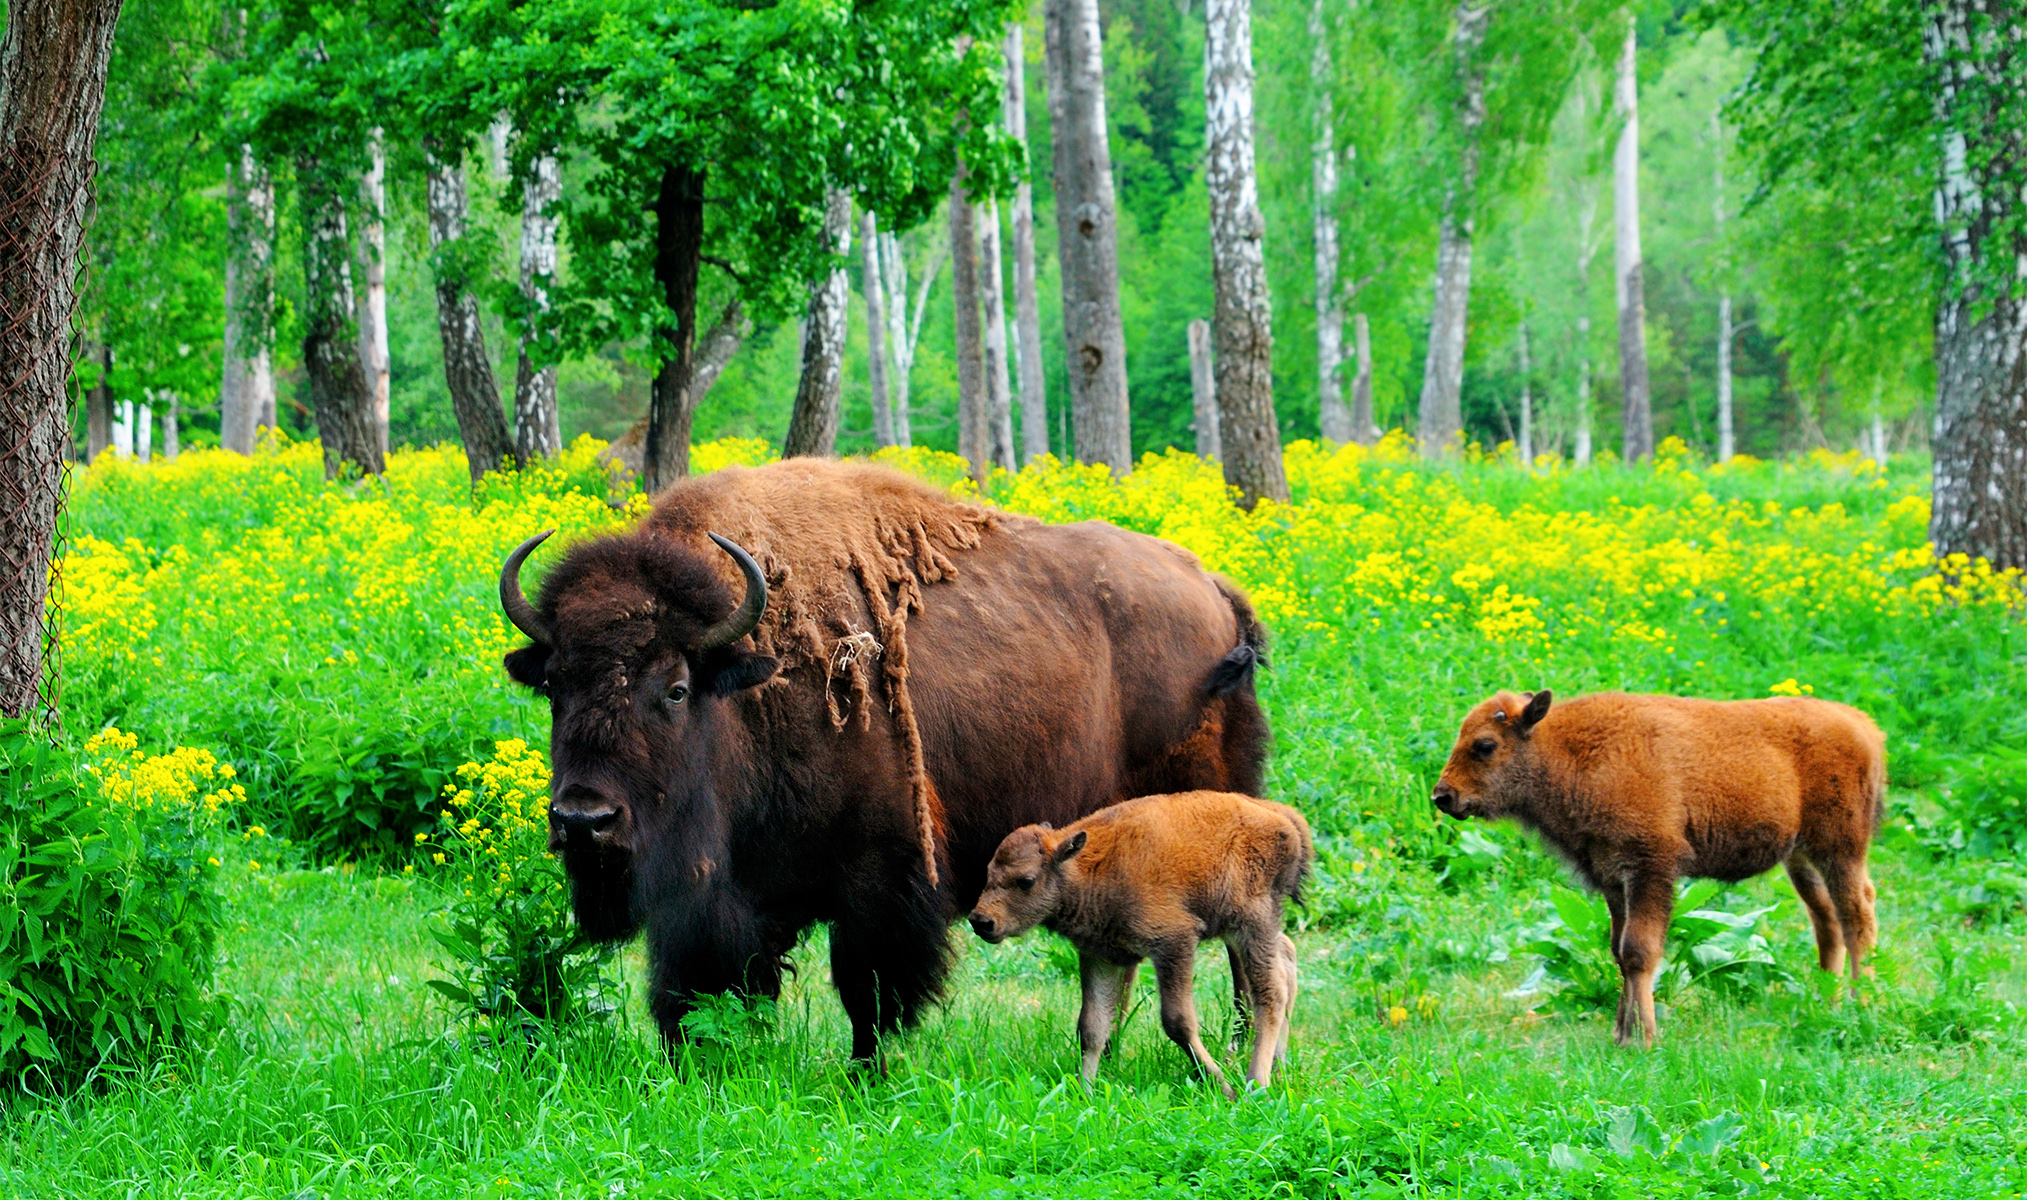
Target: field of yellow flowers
391, 934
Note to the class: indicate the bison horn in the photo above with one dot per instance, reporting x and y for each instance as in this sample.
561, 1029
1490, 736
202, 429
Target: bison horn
747, 616
519, 611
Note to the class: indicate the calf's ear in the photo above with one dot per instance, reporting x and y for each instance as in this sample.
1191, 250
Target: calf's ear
1068, 847
1537, 708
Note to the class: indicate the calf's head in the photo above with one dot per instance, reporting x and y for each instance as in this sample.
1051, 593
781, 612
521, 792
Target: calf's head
1494, 752
638, 647
1024, 881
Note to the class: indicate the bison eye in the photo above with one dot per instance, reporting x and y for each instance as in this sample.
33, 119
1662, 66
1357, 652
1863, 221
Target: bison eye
1484, 747
678, 692
1025, 882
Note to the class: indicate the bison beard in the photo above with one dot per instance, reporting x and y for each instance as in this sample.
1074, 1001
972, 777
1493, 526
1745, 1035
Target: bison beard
723, 797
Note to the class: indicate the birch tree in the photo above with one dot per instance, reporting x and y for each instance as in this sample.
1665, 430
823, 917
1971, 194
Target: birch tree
874, 291
1203, 386
340, 395
1440, 422
467, 368
1087, 236
992, 305
1364, 430
1727, 444
538, 431
1333, 417
974, 426
1249, 436
246, 388
1627, 288
1027, 312
813, 424
372, 282
904, 320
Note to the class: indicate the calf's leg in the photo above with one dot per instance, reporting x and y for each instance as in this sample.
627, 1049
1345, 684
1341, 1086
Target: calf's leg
1650, 901
1815, 896
1615, 902
1173, 971
1851, 890
1242, 996
1104, 984
1267, 979
1288, 973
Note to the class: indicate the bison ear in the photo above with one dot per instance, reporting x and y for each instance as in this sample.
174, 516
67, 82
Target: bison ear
529, 666
729, 671
1537, 708
1068, 847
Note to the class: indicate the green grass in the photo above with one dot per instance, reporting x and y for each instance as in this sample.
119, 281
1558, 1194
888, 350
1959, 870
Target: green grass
337, 1072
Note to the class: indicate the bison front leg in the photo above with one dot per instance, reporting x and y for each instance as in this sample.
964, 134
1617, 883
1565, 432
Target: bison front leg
1174, 971
1105, 985
1650, 901
888, 964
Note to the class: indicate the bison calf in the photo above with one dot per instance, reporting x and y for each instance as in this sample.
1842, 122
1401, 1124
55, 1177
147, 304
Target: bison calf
1636, 791
1151, 878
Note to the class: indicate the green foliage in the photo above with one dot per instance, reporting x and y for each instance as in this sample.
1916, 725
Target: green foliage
111, 908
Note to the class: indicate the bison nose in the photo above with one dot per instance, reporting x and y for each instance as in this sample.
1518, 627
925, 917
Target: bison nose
580, 815
983, 925
1446, 798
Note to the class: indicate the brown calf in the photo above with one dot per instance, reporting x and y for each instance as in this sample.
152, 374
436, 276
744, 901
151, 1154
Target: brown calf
1151, 878
1636, 791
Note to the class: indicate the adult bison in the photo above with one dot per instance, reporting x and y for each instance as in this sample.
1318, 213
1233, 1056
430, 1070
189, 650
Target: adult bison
744, 744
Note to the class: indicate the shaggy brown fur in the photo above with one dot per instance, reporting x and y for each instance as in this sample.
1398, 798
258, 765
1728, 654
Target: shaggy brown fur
727, 799
1151, 878
1637, 791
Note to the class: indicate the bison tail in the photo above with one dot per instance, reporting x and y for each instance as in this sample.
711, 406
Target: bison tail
1232, 671
1252, 634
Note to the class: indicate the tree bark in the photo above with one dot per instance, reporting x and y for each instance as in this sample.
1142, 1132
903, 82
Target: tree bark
679, 248
1440, 420
813, 425
876, 325
538, 428
1980, 443
1203, 387
1242, 322
373, 291
1587, 248
904, 324
974, 426
1364, 429
1332, 416
467, 368
1027, 312
52, 85
172, 428
98, 407
246, 391
992, 297
720, 343
340, 394
1525, 444
1087, 235
1725, 444
1638, 428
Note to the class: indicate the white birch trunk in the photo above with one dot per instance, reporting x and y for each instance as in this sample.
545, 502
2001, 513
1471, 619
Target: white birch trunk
1364, 429
1587, 248
1332, 416
1027, 312
1727, 445
1628, 290
538, 427
1526, 444
974, 405
1087, 235
992, 306
1440, 418
172, 427
1242, 322
813, 426
876, 325
1203, 386
373, 286
246, 390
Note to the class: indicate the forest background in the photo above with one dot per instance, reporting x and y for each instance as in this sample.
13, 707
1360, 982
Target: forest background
1832, 300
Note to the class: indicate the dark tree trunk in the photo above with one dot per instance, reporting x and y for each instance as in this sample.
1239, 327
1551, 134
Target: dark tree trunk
679, 248
467, 368
1087, 234
974, 430
98, 408
52, 85
813, 424
340, 396
1980, 445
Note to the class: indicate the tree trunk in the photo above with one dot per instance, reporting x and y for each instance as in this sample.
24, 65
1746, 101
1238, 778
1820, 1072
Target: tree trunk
1980, 441
1203, 387
720, 343
1332, 416
992, 297
340, 394
974, 427
1440, 420
98, 408
467, 368
904, 324
1087, 235
1587, 248
246, 391
1726, 443
1027, 312
172, 428
679, 248
1364, 429
1242, 322
876, 325
1526, 443
538, 429
373, 294
1638, 440
813, 425
52, 85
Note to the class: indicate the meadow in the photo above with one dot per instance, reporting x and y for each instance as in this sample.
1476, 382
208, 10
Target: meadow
339, 646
